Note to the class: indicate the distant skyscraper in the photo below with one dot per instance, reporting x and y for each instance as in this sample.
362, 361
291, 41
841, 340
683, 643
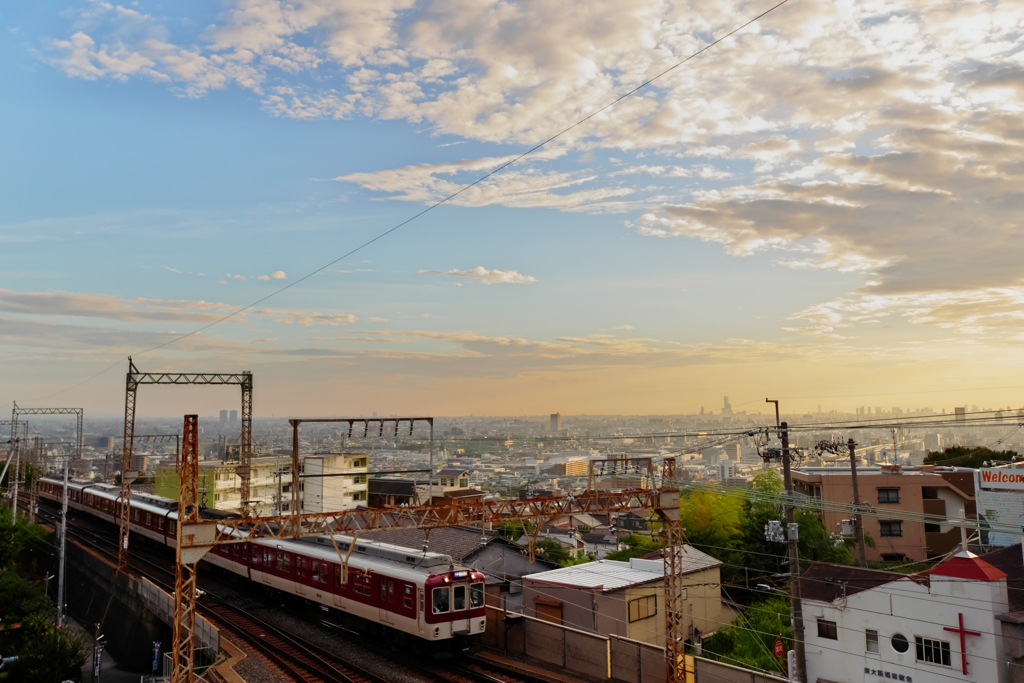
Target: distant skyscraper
556, 422
234, 416
960, 414
727, 409
223, 417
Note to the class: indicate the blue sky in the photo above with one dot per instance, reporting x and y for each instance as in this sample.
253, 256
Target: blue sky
823, 204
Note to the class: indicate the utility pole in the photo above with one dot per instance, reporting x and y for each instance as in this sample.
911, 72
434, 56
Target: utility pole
796, 606
858, 522
14, 481
63, 537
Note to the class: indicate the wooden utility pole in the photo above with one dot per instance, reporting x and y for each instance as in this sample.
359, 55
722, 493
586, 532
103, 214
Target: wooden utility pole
858, 522
796, 606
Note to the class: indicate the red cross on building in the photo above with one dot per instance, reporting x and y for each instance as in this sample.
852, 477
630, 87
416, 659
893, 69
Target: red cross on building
963, 646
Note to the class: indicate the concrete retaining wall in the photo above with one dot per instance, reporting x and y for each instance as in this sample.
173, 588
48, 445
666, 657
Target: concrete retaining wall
598, 657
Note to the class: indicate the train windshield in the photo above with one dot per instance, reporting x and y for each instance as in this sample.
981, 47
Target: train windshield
460, 598
476, 595
440, 596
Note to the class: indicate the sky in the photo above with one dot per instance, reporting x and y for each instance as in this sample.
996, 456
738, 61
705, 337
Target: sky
824, 207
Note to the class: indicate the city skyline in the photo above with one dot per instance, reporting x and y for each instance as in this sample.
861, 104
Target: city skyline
821, 208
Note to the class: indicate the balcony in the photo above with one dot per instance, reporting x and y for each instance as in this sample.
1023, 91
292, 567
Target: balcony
934, 506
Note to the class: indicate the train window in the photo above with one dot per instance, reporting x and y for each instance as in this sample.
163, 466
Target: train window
476, 595
135, 514
160, 523
300, 564
391, 589
284, 562
407, 597
440, 597
319, 572
362, 583
269, 559
255, 557
172, 526
149, 519
383, 590
459, 598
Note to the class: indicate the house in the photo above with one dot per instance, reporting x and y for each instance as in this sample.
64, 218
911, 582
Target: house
390, 492
901, 496
630, 522
598, 544
497, 558
628, 598
955, 621
452, 478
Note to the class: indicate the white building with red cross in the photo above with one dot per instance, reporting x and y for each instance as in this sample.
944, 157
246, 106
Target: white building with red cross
950, 623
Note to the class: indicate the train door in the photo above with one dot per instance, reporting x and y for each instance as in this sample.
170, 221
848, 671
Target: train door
301, 575
419, 608
460, 608
386, 599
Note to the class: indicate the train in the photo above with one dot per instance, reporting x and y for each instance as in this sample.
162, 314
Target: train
421, 599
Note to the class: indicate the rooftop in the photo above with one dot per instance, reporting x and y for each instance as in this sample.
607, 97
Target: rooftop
610, 575
828, 582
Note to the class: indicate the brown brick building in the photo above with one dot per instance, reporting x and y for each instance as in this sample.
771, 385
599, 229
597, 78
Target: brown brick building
899, 495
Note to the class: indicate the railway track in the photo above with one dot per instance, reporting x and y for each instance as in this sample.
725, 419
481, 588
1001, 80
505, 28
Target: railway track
300, 661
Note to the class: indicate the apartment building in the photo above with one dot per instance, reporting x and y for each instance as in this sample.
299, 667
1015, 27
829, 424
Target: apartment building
898, 495
344, 487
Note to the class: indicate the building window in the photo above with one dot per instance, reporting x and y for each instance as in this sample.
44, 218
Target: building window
359, 495
871, 641
888, 495
932, 528
890, 528
463, 483
932, 651
827, 629
899, 642
644, 607
359, 479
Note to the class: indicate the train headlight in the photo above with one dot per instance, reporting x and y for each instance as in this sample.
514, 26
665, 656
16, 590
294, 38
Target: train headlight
483, 624
437, 630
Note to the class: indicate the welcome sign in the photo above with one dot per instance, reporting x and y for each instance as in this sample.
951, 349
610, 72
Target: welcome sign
1001, 478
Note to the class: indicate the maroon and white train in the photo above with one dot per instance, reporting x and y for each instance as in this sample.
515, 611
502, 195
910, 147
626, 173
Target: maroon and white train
424, 596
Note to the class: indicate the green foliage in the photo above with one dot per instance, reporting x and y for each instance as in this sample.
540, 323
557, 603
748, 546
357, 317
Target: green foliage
16, 539
748, 640
513, 531
20, 598
583, 529
815, 543
762, 487
637, 545
968, 457
552, 550
48, 654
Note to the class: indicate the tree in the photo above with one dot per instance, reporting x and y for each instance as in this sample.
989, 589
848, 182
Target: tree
17, 538
583, 529
637, 545
513, 531
49, 654
552, 550
968, 457
749, 639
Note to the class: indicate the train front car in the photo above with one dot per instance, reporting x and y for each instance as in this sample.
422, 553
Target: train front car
455, 610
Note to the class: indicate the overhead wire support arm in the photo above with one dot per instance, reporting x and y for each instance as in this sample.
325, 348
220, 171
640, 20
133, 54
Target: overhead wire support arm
133, 380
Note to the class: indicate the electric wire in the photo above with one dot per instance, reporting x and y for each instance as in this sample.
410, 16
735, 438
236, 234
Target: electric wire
452, 196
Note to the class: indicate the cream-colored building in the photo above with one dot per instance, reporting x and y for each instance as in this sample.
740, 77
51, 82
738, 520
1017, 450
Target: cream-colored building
628, 598
220, 487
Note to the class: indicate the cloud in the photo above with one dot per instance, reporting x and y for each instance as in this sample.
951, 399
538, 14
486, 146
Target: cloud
238, 277
488, 277
621, 327
279, 275
57, 303
173, 270
373, 319
263, 277
308, 319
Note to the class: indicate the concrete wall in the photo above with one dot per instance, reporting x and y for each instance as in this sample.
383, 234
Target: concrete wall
599, 657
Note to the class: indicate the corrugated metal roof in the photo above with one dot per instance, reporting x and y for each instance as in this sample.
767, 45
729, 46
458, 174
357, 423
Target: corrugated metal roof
609, 575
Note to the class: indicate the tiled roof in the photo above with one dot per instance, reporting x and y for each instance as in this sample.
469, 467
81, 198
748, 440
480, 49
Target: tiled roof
964, 566
455, 541
825, 582
1009, 561
451, 473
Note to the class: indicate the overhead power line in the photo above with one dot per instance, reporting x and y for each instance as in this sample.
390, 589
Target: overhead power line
448, 198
